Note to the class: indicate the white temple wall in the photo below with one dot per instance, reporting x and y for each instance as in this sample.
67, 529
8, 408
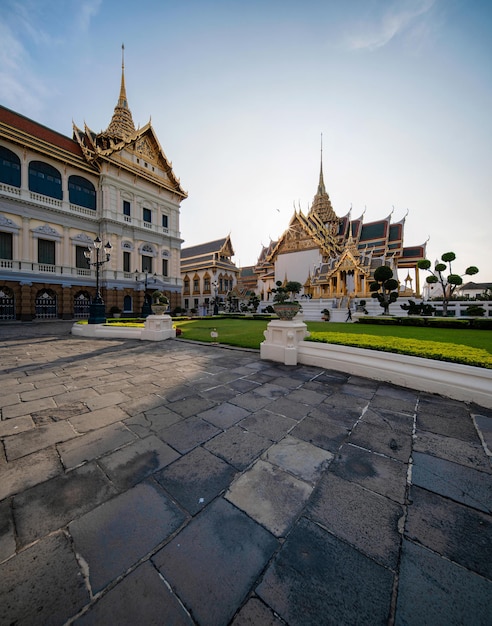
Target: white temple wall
297, 265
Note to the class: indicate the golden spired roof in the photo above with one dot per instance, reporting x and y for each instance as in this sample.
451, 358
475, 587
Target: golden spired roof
321, 203
121, 125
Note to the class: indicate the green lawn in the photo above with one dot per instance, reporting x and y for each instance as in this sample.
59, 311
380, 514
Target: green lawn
469, 346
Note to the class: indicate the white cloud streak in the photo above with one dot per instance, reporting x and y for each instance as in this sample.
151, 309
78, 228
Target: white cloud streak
397, 19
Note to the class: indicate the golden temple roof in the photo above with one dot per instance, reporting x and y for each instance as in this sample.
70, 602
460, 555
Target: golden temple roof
121, 125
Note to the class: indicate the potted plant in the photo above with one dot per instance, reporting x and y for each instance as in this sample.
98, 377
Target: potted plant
284, 303
159, 303
115, 311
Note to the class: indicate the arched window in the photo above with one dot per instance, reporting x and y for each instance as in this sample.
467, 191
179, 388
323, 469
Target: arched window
45, 179
127, 304
10, 168
81, 192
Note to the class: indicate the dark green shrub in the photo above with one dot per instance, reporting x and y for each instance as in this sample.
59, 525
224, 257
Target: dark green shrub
387, 321
445, 322
482, 323
412, 321
475, 310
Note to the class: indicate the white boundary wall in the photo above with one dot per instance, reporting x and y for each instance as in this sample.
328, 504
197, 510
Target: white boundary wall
285, 344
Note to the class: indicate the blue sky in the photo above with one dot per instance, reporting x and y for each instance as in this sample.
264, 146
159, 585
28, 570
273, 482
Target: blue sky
240, 91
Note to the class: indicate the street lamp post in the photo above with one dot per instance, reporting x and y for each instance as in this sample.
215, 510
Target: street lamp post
97, 309
146, 307
216, 292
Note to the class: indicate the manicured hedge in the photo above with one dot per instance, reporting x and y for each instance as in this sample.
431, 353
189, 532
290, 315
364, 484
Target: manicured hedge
431, 322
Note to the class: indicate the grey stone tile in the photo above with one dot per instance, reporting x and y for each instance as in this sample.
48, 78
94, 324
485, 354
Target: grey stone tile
61, 412
252, 401
402, 422
462, 484
16, 425
29, 470
120, 532
222, 393
321, 432
142, 597
42, 392
196, 479
136, 461
432, 590
94, 444
26, 408
372, 471
456, 450
484, 426
360, 391
399, 405
37, 439
398, 393
289, 408
270, 496
338, 403
366, 520
238, 447
54, 503
341, 417
383, 439
224, 415
42, 585
268, 424
316, 576
152, 421
189, 433
97, 419
7, 532
191, 406
298, 457
306, 396
457, 532
214, 561
254, 613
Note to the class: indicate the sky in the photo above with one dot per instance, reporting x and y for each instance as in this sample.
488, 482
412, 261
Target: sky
240, 93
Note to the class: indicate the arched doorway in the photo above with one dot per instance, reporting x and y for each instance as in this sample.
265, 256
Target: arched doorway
7, 304
81, 304
46, 306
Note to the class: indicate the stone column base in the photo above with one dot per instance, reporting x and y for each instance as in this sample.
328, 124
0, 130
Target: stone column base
281, 341
158, 327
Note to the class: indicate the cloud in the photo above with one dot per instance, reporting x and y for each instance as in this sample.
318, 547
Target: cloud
87, 10
400, 17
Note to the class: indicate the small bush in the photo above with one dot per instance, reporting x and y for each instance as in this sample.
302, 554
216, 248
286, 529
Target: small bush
381, 320
412, 321
482, 324
445, 322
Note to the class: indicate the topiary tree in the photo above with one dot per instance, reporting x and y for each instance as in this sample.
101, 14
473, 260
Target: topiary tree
384, 287
448, 283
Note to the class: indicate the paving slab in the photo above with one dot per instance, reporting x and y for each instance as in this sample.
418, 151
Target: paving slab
368, 521
25, 408
61, 412
188, 433
37, 439
270, 496
140, 598
268, 424
317, 578
16, 425
448, 419
42, 585
134, 462
30, 470
484, 426
459, 533
121, 532
255, 612
289, 408
432, 590
52, 504
7, 531
213, 562
383, 439
224, 415
298, 457
196, 479
238, 447
97, 419
152, 421
372, 471
462, 484
463, 452
321, 432
94, 444
402, 422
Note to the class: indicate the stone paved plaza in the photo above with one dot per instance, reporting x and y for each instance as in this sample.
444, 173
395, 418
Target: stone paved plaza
176, 483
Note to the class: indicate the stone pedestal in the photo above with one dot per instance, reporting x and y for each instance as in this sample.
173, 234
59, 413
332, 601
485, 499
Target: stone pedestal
281, 341
158, 327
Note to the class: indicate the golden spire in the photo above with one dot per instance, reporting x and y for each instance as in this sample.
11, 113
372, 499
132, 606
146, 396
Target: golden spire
121, 125
321, 203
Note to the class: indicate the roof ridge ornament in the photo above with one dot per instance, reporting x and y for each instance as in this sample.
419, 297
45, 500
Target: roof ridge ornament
121, 125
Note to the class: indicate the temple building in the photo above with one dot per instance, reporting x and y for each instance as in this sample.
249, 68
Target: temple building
60, 195
209, 277
335, 257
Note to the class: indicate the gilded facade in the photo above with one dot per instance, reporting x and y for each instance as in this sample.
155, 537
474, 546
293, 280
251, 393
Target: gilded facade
335, 257
58, 194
